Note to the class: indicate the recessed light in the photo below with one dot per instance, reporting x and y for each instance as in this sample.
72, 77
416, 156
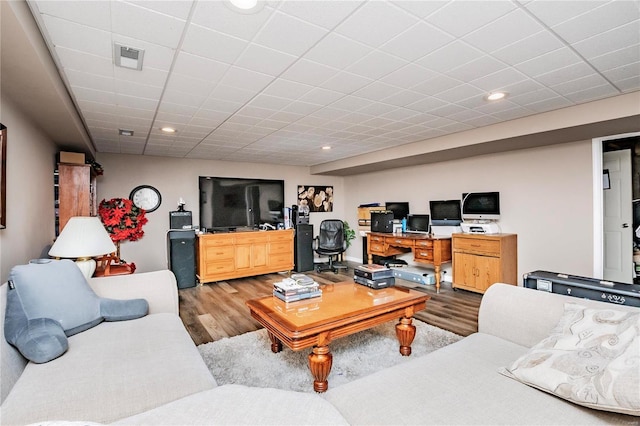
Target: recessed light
326, 148
496, 96
245, 6
168, 129
125, 132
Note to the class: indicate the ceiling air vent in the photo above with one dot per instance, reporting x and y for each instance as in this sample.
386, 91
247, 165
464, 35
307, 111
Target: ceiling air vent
128, 57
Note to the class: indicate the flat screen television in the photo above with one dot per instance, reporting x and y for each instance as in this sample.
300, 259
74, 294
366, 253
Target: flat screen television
229, 204
400, 209
481, 206
445, 212
418, 223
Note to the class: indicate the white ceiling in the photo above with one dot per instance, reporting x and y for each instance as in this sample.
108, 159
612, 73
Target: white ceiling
358, 76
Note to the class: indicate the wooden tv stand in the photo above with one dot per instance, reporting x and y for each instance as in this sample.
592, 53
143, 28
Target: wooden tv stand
434, 250
230, 255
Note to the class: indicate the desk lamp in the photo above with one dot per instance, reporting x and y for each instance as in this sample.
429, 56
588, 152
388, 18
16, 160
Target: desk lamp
82, 238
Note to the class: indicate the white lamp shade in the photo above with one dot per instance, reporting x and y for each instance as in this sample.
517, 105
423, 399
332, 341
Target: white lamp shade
82, 237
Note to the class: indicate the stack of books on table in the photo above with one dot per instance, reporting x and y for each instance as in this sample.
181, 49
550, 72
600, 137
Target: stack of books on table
374, 276
297, 287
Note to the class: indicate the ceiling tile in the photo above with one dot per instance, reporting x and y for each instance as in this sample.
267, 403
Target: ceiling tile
321, 96
437, 84
461, 17
375, 23
554, 12
451, 56
304, 71
198, 67
95, 14
618, 38
217, 16
265, 60
246, 79
543, 64
74, 36
598, 20
476, 69
177, 9
337, 51
150, 76
288, 34
130, 88
515, 25
317, 13
403, 98
527, 48
417, 41
231, 94
189, 86
408, 76
376, 64
376, 91
212, 44
91, 64
345, 82
145, 24
499, 80
459, 93
421, 9
90, 81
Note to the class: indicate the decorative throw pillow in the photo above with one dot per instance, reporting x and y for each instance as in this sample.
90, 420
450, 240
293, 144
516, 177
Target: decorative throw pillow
591, 358
48, 300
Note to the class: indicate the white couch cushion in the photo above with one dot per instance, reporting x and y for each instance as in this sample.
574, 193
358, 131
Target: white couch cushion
458, 384
242, 405
592, 358
110, 372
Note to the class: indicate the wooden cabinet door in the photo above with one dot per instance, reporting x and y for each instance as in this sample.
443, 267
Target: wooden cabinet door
464, 269
259, 255
487, 272
243, 257
475, 272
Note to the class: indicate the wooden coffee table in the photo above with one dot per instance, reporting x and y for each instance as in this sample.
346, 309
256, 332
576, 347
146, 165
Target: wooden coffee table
343, 309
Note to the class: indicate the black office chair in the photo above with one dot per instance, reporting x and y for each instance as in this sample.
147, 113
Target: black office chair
330, 242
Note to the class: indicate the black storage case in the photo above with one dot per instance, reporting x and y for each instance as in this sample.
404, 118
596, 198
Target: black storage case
382, 221
583, 287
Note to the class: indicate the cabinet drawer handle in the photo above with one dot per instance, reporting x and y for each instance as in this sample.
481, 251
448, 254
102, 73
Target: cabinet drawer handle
398, 241
476, 245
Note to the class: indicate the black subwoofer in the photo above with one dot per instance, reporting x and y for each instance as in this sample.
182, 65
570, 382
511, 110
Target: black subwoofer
303, 248
182, 257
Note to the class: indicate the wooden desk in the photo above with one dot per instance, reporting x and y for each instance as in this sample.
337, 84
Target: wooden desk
430, 249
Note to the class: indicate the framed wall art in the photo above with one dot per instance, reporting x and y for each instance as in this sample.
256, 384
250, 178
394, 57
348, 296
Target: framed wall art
319, 198
3, 176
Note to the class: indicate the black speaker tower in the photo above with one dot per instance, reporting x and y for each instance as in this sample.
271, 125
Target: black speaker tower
182, 257
303, 248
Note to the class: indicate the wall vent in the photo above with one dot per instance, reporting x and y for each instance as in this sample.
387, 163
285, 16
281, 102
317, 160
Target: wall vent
127, 57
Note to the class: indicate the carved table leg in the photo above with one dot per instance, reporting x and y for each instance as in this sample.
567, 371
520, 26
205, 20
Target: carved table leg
437, 268
405, 331
276, 344
320, 361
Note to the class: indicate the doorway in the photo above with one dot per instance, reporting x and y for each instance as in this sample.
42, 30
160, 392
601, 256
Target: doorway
617, 207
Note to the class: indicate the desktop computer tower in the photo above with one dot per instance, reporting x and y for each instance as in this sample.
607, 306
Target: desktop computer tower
303, 248
182, 257
381, 221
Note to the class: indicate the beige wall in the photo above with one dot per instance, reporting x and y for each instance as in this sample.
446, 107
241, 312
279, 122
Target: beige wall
545, 196
30, 199
176, 178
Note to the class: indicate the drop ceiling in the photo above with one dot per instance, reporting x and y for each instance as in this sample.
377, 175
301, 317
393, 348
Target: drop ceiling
278, 85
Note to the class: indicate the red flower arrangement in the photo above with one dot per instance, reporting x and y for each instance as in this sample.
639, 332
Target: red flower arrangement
122, 219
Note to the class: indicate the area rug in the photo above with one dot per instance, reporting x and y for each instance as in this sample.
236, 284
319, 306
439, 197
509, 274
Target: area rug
247, 359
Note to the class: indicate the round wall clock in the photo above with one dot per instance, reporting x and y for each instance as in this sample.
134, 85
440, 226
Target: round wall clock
146, 197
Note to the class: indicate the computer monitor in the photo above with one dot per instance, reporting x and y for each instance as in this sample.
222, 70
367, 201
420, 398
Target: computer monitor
481, 206
400, 209
418, 223
445, 212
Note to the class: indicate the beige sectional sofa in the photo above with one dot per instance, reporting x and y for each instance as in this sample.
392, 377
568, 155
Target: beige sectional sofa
148, 371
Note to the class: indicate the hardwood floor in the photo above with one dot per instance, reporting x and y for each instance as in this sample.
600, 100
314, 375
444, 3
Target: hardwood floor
213, 311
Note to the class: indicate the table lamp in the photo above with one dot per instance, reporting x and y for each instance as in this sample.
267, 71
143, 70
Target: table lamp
82, 238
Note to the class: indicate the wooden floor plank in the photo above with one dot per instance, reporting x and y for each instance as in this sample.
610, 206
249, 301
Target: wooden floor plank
216, 310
